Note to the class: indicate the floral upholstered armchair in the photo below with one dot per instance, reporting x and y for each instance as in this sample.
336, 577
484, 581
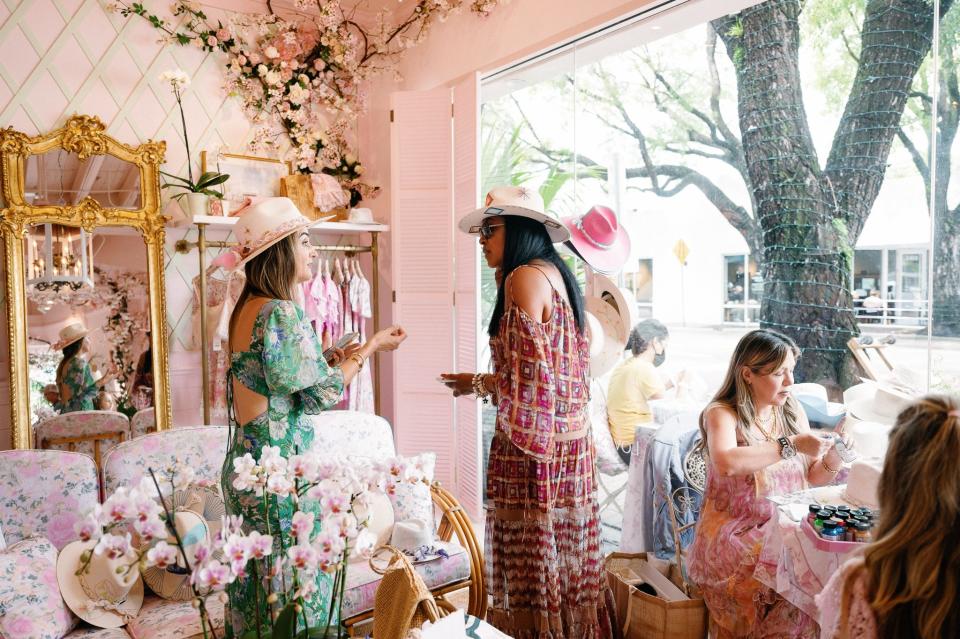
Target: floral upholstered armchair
355, 434
92, 432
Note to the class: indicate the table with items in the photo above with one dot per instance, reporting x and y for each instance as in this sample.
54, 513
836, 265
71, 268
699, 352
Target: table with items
805, 543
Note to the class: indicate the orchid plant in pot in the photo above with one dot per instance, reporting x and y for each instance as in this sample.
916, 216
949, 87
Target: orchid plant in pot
284, 565
200, 191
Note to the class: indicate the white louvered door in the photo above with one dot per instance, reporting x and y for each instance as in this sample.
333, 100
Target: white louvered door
422, 247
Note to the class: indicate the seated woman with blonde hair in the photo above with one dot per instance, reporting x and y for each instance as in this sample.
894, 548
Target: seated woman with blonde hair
907, 583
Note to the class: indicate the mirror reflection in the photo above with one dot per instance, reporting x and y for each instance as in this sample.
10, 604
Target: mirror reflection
88, 314
61, 178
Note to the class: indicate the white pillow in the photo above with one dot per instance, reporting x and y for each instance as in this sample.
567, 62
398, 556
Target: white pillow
413, 501
29, 593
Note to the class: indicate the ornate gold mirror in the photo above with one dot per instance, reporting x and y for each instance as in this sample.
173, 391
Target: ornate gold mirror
83, 245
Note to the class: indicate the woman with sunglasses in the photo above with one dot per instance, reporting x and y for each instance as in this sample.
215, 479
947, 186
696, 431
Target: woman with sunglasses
543, 534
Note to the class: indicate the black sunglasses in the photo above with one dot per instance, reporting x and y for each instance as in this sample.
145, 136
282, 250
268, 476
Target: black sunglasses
485, 230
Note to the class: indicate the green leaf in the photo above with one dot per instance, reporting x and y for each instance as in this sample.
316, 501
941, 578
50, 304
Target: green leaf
285, 627
170, 175
214, 180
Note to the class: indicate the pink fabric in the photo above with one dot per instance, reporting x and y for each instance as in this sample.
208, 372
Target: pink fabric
790, 563
860, 623
726, 551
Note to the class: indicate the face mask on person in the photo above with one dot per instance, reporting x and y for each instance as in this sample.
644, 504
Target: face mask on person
658, 358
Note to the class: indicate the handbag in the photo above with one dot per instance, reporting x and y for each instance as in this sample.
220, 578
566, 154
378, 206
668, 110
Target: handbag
402, 600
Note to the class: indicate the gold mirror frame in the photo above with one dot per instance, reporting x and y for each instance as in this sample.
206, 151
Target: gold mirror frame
83, 135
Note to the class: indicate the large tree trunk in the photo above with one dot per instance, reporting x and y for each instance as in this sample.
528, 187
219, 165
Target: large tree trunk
945, 295
811, 217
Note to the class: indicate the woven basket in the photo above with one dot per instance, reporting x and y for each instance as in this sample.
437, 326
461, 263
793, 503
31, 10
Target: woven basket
402, 600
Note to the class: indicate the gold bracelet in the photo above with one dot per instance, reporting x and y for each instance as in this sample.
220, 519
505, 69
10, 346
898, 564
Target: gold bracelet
358, 358
823, 462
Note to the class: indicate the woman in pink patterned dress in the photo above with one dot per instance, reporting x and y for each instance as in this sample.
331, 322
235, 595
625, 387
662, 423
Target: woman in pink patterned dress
759, 444
907, 584
543, 532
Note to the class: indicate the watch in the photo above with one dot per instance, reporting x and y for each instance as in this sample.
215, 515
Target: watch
786, 448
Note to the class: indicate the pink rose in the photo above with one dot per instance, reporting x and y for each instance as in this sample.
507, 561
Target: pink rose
211, 41
223, 35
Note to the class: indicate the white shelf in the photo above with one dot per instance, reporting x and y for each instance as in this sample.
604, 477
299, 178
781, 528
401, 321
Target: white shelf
322, 227
348, 227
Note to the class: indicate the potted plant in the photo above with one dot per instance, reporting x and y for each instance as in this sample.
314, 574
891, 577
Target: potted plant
197, 192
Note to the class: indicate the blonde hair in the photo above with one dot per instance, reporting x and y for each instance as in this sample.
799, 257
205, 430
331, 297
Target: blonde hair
913, 565
762, 351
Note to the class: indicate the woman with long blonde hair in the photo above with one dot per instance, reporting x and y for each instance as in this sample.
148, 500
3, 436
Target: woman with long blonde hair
907, 584
758, 444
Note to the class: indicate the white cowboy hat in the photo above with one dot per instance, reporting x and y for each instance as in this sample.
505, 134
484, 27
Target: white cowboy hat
198, 518
876, 402
597, 238
101, 596
266, 222
361, 216
520, 201
69, 334
416, 540
378, 512
860, 491
813, 398
611, 326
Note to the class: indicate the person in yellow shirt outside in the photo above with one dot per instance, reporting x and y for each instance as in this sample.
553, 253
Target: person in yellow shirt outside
634, 382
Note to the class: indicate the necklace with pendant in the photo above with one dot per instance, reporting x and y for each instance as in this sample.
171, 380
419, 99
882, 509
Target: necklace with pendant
770, 422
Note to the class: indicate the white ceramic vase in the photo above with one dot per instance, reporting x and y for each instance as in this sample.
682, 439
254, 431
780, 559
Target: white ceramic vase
197, 204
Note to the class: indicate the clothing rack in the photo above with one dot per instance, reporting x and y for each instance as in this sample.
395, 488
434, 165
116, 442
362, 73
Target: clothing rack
202, 244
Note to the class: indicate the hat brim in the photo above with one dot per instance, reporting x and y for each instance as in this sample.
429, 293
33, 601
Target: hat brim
613, 342
608, 261
296, 229
555, 229
62, 344
72, 592
604, 287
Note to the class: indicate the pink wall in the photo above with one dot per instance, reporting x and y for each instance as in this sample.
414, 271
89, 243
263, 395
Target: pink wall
462, 45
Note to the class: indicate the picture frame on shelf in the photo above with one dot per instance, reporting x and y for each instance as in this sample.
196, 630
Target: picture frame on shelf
250, 175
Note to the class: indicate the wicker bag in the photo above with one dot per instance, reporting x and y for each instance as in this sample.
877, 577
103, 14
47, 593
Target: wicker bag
402, 600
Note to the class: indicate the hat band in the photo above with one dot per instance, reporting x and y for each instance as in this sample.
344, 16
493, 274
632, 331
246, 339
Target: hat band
97, 602
268, 237
597, 243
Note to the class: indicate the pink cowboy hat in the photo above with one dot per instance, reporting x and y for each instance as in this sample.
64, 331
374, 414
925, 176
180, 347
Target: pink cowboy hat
599, 240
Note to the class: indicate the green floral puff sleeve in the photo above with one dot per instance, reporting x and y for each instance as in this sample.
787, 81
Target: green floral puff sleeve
78, 378
293, 365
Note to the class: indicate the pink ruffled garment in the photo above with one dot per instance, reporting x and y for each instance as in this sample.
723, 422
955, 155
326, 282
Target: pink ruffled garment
222, 295
860, 622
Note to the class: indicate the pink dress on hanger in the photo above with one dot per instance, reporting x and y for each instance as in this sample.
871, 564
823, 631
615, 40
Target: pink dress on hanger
223, 291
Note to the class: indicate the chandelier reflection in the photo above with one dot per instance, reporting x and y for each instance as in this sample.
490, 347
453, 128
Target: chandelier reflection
59, 265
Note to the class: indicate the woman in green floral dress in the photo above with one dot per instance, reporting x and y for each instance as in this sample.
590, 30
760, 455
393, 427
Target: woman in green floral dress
76, 385
277, 376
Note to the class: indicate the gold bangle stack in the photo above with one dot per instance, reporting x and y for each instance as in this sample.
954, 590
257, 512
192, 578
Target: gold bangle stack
358, 359
823, 462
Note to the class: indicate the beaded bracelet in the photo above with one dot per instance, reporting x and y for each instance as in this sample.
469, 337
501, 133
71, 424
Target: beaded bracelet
479, 389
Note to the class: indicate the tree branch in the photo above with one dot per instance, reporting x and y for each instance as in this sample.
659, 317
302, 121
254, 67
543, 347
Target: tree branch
918, 160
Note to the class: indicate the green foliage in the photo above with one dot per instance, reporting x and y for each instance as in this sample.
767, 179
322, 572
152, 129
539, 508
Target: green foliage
204, 184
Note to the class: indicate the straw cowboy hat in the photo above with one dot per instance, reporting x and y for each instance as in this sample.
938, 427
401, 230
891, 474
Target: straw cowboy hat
101, 595
69, 334
264, 223
621, 299
198, 518
609, 351
519, 201
598, 239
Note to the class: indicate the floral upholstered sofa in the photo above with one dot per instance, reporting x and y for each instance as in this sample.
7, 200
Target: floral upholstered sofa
44, 493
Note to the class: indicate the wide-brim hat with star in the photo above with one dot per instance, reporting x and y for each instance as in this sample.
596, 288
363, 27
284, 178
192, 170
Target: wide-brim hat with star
518, 201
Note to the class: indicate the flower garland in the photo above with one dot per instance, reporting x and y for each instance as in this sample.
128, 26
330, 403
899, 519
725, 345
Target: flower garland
303, 78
